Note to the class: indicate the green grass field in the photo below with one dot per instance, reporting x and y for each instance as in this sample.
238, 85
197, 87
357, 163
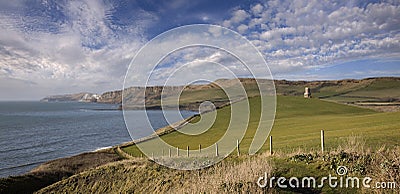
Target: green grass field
378, 89
297, 125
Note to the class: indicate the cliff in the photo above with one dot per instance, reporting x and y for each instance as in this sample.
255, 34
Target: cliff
192, 95
112, 97
79, 97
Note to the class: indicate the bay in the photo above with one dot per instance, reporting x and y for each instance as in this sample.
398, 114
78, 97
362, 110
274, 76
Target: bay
35, 132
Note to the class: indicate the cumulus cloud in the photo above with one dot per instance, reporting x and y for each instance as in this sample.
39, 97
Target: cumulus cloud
204, 63
238, 16
69, 46
302, 34
257, 9
242, 28
209, 56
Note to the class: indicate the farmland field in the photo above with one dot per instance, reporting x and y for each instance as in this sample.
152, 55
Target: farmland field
297, 125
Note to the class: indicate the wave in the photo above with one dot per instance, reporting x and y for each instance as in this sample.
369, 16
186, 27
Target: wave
101, 148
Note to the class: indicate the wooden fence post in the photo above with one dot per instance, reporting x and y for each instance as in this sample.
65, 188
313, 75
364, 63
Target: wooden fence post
322, 141
177, 151
169, 152
270, 145
187, 151
199, 148
216, 149
237, 147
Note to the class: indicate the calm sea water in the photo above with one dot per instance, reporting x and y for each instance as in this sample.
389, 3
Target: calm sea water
34, 132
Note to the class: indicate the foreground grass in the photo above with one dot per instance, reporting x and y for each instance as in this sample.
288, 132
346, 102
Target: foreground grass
240, 174
297, 125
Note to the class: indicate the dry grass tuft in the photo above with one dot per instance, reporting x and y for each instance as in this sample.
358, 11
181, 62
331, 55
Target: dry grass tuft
385, 168
230, 177
354, 144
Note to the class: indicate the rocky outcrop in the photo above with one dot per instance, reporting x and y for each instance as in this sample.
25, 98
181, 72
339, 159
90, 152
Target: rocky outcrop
113, 97
79, 97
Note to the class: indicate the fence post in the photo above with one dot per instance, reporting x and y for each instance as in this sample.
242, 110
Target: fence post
270, 145
216, 149
199, 148
169, 152
322, 141
177, 151
187, 151
237, 147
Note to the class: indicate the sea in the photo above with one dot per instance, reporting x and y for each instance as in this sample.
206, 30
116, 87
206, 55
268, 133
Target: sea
32, 133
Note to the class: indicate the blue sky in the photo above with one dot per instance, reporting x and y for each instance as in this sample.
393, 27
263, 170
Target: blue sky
56, 47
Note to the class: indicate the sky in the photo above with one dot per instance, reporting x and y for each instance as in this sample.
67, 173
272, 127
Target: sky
59, 47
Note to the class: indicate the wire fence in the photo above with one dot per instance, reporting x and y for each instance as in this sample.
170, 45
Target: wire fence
199, 152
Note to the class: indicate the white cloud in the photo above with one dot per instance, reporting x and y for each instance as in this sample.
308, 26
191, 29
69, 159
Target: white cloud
209, 62
301, 34
84, 52
237, 17
242, 28
257, 9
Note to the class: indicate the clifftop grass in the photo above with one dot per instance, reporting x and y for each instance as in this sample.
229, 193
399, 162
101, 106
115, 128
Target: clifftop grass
297, 125
239, 174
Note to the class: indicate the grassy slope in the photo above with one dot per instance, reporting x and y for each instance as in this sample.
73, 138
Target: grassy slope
373, 89
213, 94
379, 89
298, 123
340, 91
236, 174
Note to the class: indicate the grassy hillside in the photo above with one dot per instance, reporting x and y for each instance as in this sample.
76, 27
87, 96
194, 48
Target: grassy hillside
297, 125
191, 96
367, 89
299, 122
238, 174
343, 91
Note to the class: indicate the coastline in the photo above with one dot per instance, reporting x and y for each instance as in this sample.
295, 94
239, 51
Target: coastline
53, 171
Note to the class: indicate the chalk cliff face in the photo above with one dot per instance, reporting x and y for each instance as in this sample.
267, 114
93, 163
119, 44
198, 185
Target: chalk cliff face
79, 97
134, 97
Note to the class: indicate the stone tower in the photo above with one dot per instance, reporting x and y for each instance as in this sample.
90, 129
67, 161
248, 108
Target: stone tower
307, 93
